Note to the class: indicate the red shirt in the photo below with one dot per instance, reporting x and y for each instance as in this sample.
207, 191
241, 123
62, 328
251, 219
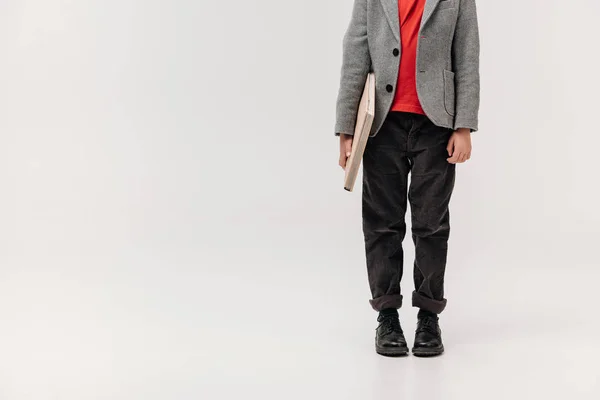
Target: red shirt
405, 98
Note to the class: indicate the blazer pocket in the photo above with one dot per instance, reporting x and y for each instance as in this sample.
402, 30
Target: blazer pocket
444, 4
449, 91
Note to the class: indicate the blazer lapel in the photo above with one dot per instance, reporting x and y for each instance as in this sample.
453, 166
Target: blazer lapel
390, 8
430, 5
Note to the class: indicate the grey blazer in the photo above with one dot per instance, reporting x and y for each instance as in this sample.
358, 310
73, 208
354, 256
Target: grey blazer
447, 62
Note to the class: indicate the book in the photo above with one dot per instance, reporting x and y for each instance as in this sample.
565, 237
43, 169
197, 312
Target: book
364, 122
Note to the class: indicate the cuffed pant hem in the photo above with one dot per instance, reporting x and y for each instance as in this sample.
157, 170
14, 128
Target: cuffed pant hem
435, 306
386, 301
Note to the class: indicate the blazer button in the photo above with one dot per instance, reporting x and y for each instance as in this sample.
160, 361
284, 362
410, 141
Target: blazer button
389, 88
395, 52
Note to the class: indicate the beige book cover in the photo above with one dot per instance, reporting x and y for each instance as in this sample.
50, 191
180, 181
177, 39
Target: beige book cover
364, 121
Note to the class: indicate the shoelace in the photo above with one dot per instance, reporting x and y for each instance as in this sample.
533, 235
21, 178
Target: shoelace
428, 324
391, 324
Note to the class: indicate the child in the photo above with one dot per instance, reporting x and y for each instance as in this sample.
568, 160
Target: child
425, 57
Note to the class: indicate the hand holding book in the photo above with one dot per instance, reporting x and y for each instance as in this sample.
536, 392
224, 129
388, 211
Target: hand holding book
345, 149
352, 147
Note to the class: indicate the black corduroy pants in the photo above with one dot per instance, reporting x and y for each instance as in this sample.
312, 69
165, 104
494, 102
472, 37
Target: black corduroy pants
407, 143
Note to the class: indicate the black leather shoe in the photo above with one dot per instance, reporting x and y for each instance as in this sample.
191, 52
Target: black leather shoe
389, 340
428, 338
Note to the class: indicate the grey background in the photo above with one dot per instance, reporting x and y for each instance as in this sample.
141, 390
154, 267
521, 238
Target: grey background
173, 223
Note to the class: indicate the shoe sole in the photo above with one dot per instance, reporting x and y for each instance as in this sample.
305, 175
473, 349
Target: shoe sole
428, 352
392, 351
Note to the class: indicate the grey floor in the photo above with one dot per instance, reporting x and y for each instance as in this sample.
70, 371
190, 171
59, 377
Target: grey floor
257, 318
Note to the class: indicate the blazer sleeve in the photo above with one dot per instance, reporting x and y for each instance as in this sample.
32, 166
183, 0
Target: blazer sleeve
356, 63
465, 58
